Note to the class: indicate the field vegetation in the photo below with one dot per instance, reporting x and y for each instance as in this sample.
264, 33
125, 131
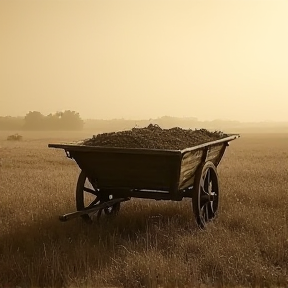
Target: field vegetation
150, 243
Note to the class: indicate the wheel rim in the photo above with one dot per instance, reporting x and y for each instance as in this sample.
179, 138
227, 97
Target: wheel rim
206, 196
87, 195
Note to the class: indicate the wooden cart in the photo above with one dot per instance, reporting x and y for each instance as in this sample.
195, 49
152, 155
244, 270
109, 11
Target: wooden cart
110, 176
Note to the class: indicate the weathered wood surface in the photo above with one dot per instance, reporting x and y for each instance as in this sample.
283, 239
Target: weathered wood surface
171, 172
192, 159
138, 171
152, 169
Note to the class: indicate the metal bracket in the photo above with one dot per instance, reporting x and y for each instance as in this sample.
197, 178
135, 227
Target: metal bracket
205, 154
68, 154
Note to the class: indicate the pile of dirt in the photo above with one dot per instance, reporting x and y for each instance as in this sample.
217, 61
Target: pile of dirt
154, 137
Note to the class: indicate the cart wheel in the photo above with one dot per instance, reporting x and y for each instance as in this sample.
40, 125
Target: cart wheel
86, 195
205, 194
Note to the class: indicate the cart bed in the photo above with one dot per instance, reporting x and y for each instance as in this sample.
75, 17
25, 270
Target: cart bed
145, 169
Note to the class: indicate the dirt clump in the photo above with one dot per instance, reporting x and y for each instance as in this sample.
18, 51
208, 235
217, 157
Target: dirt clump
154, 137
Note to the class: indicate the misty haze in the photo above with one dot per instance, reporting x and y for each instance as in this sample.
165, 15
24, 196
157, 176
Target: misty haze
143, 143
140, 60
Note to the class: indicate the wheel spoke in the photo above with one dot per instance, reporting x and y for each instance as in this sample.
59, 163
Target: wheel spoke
208, 179
202, 186
205, 192
206, 212
212, 208
93, 202
210, 187
89, 190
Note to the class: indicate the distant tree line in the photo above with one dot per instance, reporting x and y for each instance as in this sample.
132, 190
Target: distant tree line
34, 120
71, 120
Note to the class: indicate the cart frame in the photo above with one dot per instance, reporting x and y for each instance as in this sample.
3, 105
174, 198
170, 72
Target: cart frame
119, 174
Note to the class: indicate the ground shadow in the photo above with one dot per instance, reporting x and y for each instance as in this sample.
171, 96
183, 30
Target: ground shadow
47, 249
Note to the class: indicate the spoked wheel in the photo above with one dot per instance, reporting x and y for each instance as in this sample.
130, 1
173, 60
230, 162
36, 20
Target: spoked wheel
205, 197
87, 196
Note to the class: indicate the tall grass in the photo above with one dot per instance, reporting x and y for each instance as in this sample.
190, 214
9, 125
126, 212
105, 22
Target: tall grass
150, 243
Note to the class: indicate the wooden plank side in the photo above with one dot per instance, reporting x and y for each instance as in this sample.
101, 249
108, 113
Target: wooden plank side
103, 149
137, 171
214, 153
192, 159
190, 162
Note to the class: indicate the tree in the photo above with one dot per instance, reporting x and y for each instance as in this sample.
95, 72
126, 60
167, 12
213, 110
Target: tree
34, 120
67, 120
71, 120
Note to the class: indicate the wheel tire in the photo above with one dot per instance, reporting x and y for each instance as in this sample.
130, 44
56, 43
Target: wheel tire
80, 205
205, 198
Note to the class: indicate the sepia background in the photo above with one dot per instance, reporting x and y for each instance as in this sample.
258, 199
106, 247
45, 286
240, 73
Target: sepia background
72, 69
145, 59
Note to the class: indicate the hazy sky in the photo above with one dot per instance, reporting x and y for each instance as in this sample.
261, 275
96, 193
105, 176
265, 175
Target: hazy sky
144, 59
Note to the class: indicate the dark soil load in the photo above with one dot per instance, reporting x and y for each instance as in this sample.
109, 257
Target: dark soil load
154, 137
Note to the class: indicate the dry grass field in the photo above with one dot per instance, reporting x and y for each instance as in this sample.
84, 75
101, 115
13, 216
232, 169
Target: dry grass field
150, 243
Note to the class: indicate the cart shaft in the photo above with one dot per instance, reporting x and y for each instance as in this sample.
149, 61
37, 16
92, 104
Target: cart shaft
94, 209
